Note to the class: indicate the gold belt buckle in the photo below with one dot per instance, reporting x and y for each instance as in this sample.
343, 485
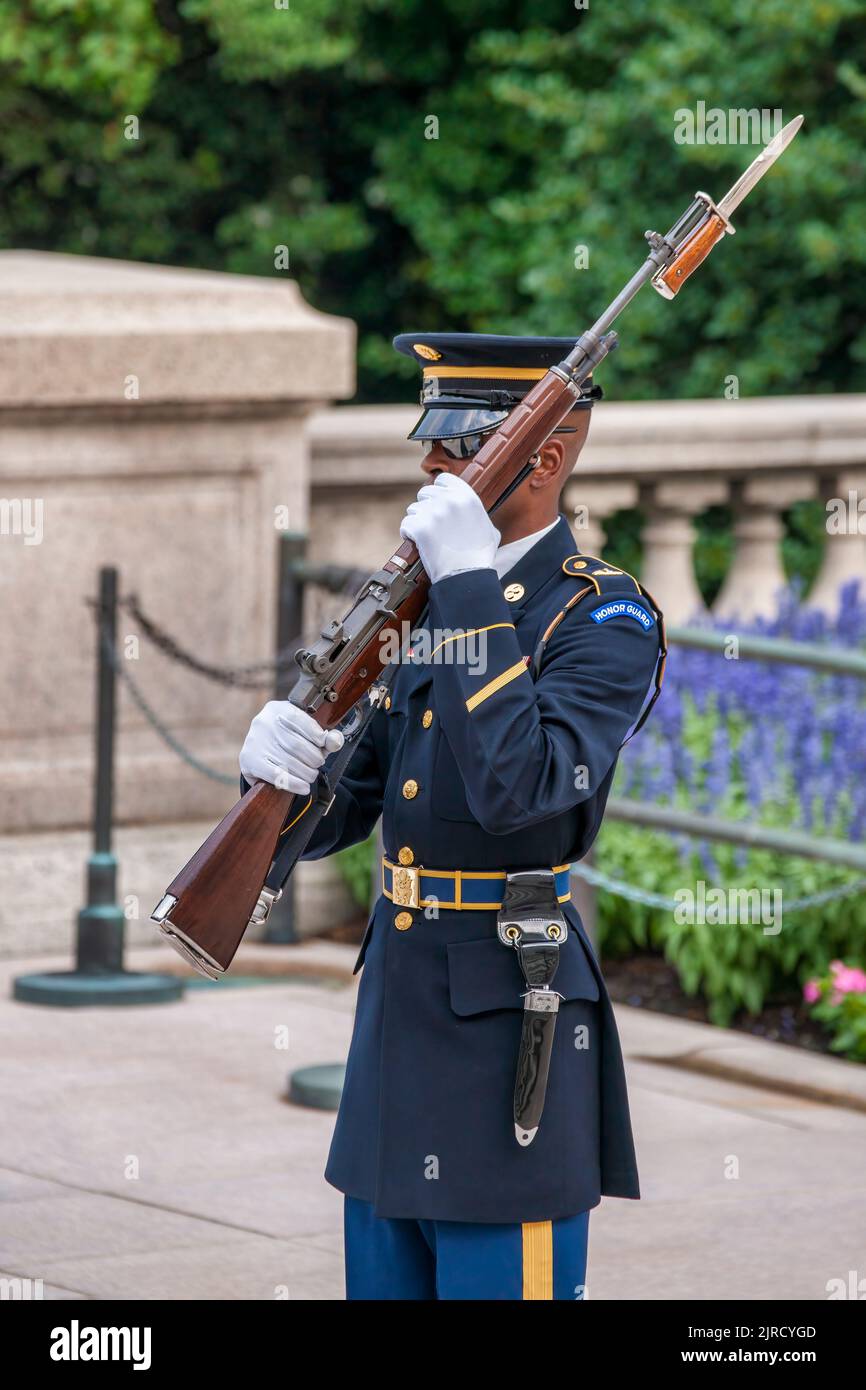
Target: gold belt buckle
405, 886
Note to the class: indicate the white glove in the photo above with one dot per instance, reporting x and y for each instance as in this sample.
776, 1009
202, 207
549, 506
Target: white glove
450, 527
286, 747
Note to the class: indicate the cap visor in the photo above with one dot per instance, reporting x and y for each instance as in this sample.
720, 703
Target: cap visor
450, 423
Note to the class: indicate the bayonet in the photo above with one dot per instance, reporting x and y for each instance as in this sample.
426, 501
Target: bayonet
758, 167
707, 222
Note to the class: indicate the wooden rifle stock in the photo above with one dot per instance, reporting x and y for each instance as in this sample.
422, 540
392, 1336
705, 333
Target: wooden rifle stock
220, 892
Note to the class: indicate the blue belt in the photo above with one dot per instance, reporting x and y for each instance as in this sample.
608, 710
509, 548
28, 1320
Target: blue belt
456, 889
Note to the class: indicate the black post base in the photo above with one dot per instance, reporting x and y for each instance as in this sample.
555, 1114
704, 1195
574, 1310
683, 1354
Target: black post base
318, 1088
75, 989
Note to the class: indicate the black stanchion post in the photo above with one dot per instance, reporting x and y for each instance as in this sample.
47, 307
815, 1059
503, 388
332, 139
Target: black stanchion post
291, 553
99, 937
318, 1087
99, 976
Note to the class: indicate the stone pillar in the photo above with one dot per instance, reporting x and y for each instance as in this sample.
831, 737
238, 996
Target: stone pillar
152, 418
845, 551
668, 544
756, 578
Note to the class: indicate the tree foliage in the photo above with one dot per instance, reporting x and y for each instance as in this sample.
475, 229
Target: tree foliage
308, 126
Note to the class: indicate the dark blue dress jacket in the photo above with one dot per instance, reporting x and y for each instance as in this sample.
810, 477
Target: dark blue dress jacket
478, 765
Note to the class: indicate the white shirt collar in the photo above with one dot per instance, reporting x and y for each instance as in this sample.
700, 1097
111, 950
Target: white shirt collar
508, 555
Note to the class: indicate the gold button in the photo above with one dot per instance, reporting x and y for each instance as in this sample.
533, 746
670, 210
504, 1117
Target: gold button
513, 592
410, 789
403, 921
406, 856
427, 718
387, 701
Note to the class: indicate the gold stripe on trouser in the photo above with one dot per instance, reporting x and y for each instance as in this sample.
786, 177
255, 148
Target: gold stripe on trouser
537, 1259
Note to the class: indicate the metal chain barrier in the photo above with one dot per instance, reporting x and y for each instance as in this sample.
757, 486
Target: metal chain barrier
258, 675
596, 879
121, 669
255, 676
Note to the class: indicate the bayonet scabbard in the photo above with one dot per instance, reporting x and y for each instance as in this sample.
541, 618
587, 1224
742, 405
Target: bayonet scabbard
532, 923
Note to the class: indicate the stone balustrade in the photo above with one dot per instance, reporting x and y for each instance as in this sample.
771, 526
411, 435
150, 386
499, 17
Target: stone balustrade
671, 459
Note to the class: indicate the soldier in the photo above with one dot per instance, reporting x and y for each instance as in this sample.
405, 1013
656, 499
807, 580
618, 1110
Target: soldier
484, 1111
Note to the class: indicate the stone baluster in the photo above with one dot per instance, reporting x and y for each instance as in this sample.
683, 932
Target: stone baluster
588, 506
844, 496
668, 543
756, 578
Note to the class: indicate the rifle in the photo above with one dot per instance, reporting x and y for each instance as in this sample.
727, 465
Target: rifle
232, 880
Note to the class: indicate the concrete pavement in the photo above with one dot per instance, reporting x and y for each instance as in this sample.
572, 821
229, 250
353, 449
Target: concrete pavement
150, 1152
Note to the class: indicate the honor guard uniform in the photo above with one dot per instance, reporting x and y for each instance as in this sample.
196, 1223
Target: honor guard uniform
485, 1111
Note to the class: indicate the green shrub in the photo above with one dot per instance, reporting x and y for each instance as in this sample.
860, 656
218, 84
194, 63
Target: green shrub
356, 868
735, 966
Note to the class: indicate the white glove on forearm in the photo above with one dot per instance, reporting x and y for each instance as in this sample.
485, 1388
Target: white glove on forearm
450, 527
286, 747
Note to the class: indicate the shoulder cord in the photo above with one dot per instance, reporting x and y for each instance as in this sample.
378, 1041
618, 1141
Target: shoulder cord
661, 659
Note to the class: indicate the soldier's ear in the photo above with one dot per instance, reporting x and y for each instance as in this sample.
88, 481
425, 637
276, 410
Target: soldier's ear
550, 465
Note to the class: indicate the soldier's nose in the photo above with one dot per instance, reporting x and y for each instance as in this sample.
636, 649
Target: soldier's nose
437, 461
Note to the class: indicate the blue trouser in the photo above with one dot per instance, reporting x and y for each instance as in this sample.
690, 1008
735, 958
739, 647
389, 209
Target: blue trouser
391, 1259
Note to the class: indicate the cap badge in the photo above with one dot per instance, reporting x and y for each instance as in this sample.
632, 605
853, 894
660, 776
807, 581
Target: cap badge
429, 353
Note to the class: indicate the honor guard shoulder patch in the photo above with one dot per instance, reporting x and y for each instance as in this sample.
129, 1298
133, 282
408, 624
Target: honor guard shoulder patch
623, 608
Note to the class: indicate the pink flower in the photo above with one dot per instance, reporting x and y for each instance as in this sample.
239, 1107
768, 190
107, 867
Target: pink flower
811, 991
850, 981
